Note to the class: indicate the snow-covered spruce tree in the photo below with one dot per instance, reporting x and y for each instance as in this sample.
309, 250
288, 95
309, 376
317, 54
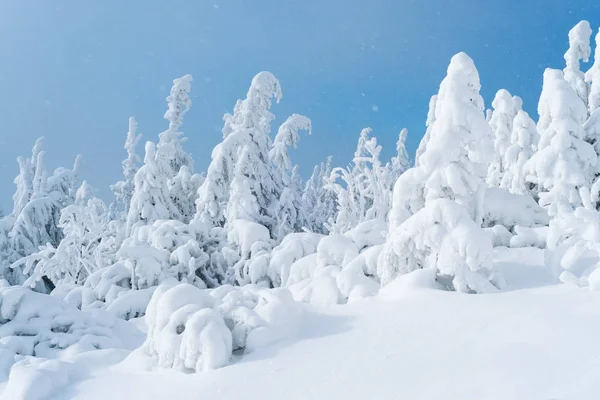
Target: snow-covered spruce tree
564, 162
364, 192
454, 164
239, 182
85, 248
428, 124
173, 161
579, 49
288, 181
400, 162
151, 198
437, 206
501, 121
523, 141
38, 222
123, 190
318, 200
592, 77
592, 125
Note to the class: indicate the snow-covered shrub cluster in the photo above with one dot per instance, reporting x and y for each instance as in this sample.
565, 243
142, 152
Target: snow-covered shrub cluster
195, 329
33, 324
241, 240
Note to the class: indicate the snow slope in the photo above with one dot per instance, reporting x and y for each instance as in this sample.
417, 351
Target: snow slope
538, 340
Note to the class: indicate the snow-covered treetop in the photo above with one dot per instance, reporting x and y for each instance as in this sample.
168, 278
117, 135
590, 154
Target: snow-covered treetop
129, 164
579, 49
592, 76
401, 161
428, 124
179, 102
287, 136
84, 194
459, 91
501, 121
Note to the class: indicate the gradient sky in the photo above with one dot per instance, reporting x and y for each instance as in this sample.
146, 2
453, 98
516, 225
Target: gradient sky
74, 71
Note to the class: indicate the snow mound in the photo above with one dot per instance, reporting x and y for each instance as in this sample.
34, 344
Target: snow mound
292, 248
194, 329
33, 324
501, 207
36, 379
337, 273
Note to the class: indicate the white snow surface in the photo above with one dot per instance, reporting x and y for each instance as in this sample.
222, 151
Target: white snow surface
535, 340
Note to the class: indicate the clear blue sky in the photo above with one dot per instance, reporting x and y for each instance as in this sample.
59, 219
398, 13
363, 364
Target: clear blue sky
74, 71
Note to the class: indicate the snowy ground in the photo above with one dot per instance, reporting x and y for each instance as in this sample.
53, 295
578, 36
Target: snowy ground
537, 340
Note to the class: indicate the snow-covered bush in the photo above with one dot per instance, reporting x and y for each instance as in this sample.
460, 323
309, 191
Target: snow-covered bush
529, 237
364, 189
87, 246
441, 236
508, 209
33, 324
336, 273
184, 332
197, 330
292, 248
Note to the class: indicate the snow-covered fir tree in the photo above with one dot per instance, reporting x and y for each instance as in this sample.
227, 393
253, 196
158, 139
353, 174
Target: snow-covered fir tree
318, 199
523, 142
443, 196
564, 162
501, 121
85, 248
428, 124
401, 161
579, 50
123, 190
288, 181
454, 163
363, 190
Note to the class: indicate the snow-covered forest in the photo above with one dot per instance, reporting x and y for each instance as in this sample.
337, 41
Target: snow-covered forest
198, 270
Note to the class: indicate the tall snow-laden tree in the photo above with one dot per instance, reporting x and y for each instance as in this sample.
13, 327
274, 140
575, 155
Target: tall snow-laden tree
318, 200
592, 77
429, 123
592, 125
363, 190
400, 162
151, 198
38, 223
455, 161
564, 162
579, 49
170, 155
253, 190
172, 160
288, 181
25, 180
522, 140
84, 249
501, 122
123, 190
437, 210
239, 182
250, 115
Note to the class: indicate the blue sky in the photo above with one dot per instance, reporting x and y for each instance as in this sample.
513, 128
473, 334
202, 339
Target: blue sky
74, 71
